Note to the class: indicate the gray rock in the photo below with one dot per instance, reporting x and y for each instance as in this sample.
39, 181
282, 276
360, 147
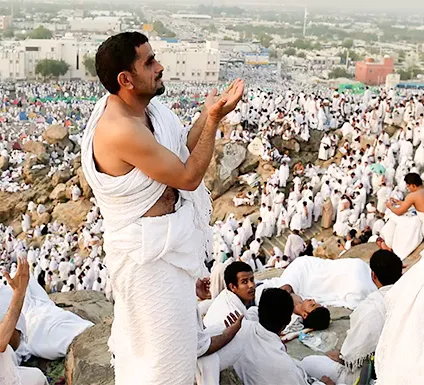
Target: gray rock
90, 305
4, 163
36, 148
59, 193
61, 176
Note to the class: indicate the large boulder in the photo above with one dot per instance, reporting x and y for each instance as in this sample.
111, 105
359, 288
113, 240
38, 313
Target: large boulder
88, 358
85, 187
363, 251
59, 193
42, 219
36, 148
4, 163
61, 176
224, 168
56, 134
71, 213
90, 305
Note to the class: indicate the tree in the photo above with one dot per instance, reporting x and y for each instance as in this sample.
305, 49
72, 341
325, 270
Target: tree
409, 73
348, 43
265, 40
162, 30
301, 55
8, 33
90, 65
51, 68
40, 33
339, 72
290, 51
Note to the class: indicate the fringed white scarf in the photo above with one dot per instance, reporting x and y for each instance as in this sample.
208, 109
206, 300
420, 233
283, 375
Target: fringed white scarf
366, 325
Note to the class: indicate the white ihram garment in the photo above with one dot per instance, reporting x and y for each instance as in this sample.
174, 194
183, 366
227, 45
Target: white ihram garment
339, 283
152, 262
403, 233
400, 354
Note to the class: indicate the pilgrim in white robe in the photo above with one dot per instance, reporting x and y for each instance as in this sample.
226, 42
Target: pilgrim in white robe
153, 262
294, 246
400, 351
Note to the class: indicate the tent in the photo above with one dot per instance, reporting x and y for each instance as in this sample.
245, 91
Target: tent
23, 115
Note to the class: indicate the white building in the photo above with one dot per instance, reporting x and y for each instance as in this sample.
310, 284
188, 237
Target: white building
182, 61
189, 62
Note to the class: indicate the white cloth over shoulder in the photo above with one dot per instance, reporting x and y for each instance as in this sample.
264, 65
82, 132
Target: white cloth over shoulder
340, 283
226, 302
400, 353
12, 374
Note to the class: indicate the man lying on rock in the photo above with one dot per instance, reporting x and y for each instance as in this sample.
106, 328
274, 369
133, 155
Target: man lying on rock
366, 325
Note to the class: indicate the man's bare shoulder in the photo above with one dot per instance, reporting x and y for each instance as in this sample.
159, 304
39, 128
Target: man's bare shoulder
117, 125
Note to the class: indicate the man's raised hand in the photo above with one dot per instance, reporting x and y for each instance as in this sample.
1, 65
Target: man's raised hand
19, 283
227, 102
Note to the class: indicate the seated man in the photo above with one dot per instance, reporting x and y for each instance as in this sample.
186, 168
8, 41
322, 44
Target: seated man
257, 353
403, 232
10, 372
238, 295
366, 325
341, 283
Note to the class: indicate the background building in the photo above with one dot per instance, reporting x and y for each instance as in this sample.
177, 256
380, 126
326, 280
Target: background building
182, 61
371, 73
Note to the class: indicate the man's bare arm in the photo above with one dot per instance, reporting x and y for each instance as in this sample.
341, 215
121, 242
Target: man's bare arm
136, 146
8, 324
403, 205
196, 130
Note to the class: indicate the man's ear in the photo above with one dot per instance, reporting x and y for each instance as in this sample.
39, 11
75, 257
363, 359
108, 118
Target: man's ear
125, 80
374, 277
232, 287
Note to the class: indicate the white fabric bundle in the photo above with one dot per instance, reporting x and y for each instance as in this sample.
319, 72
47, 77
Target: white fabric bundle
340, 283
400, 353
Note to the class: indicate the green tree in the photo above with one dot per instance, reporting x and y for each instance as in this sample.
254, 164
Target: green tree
40, 33
265, 40
51, 68
301, 55
410, 73
290, 51
339, 72
162, 30
348, 43
90, 65
8, 33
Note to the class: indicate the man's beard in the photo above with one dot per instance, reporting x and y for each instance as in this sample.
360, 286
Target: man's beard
160, 90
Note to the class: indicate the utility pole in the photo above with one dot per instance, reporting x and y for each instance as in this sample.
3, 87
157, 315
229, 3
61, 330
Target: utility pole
305, 21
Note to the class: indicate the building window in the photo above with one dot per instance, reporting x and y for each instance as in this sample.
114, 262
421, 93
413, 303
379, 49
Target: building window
183, 61
209, 62
52, 49
77, 61
17, 61
177, 74
207, 73
192, 74
198, 74
182, 74
178, 62
214, 62
32, 49
11, 74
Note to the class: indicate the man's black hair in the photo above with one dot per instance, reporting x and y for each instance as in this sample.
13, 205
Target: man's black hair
387, 266
413, 178
275, 309
319, 319
230, 273
117, 54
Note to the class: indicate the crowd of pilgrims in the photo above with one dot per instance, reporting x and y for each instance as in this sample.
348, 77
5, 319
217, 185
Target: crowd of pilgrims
338, 192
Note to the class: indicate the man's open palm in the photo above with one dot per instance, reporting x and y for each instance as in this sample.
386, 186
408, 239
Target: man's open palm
228, 100
19, 283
